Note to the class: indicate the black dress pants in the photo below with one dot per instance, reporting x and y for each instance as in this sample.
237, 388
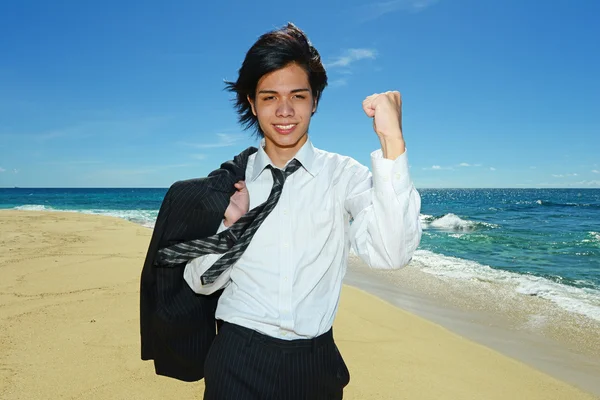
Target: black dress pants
243, 364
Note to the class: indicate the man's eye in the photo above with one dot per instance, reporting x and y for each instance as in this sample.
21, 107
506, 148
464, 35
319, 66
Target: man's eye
299, 96
268, 98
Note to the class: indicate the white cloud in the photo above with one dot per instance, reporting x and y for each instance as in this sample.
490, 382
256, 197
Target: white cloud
594, 183
532, 167
563, 175
351, 56
595, 171
139, 171
199, 156
90, 128
342, 64
580, 184
492, 169
436, 168
15, 171
223, 140
72, 162
464, 164
2, 170
338, 82
376, 10
418, 5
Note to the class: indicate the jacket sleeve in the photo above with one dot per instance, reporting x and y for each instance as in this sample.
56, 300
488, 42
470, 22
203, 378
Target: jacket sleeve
176, 325
147, 281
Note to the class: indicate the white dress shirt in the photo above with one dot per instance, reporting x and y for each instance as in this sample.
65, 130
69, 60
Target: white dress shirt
287, 283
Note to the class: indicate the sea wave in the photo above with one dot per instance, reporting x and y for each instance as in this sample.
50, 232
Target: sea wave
548, 203
452, 222
592, 237
580, 300
35, 207
145, 218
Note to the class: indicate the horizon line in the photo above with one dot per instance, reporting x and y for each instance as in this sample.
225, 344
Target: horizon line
167, 187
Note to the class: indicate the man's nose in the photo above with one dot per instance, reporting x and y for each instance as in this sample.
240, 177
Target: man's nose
285, 109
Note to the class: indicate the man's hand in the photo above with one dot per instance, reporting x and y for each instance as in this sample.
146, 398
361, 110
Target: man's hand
239, 203
386, 111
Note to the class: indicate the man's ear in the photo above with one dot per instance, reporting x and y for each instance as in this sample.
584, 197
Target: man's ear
315, 103
251, 102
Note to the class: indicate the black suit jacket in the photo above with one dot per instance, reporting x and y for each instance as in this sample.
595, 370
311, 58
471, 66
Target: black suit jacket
177, 326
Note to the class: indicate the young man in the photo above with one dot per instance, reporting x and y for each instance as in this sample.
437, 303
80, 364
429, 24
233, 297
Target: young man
281, 296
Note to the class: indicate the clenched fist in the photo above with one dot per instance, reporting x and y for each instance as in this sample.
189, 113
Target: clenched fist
386, 111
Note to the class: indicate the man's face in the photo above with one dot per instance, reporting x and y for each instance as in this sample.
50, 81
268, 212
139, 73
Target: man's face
284, 105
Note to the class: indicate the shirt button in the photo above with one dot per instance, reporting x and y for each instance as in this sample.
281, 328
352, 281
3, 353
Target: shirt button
398, 175
285, 212
284, 333
285, 278
285, 245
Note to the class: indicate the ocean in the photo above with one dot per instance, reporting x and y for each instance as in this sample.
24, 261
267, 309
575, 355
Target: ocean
540, 242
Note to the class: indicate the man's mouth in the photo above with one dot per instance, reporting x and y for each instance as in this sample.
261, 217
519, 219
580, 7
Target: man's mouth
285, 129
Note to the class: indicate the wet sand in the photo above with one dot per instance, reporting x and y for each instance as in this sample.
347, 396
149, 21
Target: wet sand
529, 329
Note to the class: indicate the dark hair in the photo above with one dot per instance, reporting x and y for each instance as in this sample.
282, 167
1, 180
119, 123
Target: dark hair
272, 51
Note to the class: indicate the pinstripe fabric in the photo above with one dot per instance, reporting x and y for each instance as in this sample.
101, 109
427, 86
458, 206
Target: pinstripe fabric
233, 241
177, 326
246, 365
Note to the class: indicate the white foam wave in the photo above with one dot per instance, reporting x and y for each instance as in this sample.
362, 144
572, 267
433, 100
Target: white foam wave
34, 207
145, 218
426, 219
593, 238
582, 301
452, 222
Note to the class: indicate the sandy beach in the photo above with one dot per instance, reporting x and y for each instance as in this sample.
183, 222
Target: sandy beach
69, 327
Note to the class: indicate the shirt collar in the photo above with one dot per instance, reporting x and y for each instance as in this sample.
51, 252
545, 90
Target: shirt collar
306, 156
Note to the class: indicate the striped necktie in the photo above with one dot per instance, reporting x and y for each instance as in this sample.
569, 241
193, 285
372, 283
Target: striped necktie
233, 241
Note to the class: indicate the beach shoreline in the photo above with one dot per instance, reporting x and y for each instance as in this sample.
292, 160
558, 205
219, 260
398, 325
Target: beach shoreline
559, 344
69, 285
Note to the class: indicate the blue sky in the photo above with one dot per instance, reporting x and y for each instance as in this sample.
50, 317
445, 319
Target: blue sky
130, 93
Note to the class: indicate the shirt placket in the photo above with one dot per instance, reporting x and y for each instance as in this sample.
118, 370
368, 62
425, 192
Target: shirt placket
285, 259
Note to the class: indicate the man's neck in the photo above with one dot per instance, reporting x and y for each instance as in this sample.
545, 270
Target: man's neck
281, 155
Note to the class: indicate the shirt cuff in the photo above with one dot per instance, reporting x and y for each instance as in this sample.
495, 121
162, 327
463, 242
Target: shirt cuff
194, 270
390, 174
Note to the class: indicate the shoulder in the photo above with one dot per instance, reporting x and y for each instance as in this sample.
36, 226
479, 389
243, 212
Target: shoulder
187, 188
338, 164
187, 183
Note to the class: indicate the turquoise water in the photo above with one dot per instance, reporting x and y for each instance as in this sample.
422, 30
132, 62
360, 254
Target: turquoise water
544, 242
550, 233
136, 205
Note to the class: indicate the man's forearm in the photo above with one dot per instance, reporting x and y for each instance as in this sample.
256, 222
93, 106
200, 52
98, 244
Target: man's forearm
392, 147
